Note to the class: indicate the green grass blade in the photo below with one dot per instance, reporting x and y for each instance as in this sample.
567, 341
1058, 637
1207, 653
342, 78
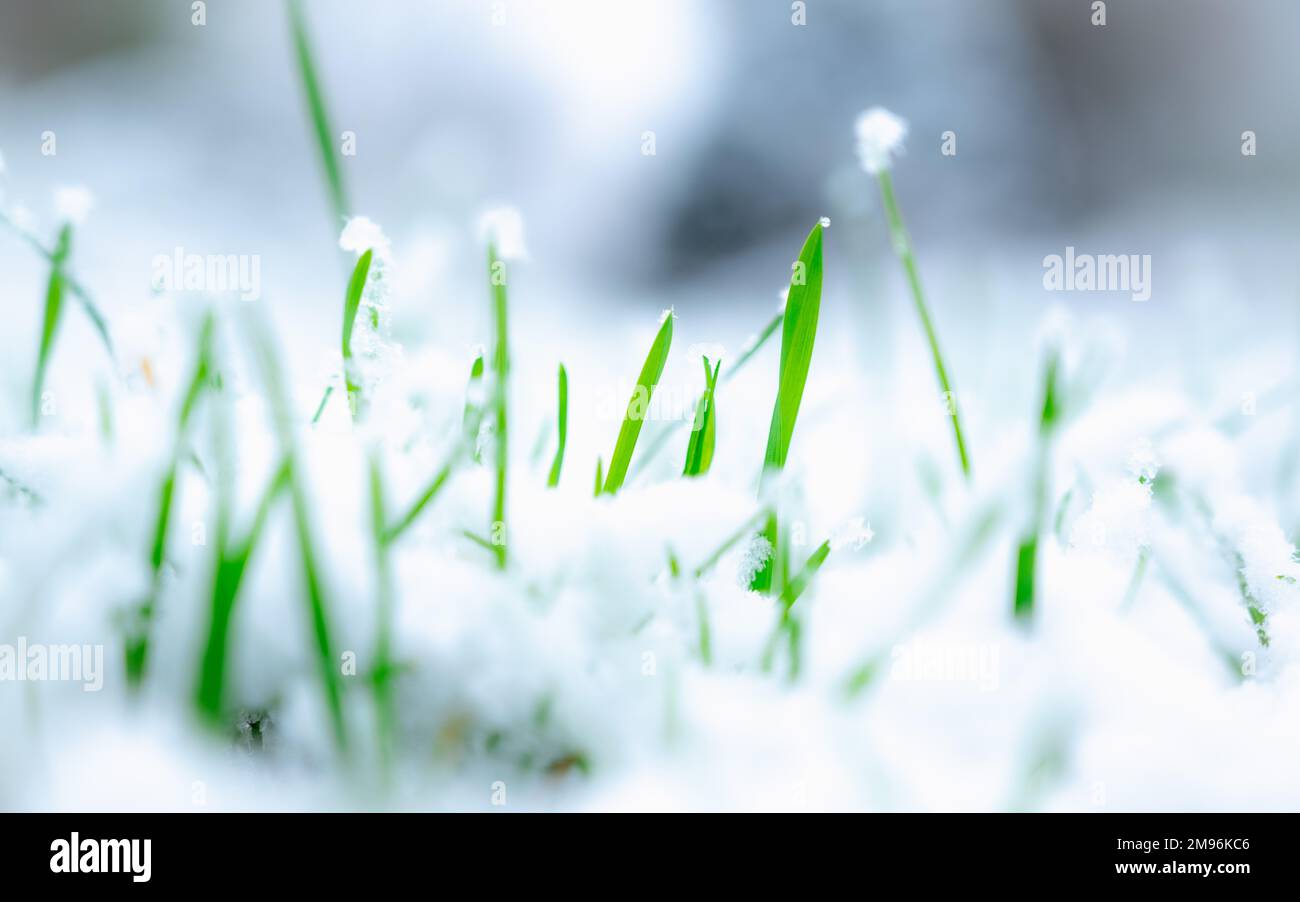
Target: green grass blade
699, 450
1027, 551
52, 317
231, 564
426, 497
903, 247
352, 303
562, 419
798, 334
795, 587
500, 383
137, 640
71, 284
799, 330
600, 476
319, 115
317, 602
381, 677
639, 406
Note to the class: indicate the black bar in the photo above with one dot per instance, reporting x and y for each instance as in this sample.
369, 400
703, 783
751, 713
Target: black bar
1153, 852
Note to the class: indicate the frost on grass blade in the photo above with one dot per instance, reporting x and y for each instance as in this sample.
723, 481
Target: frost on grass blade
638, 405
319, 115
562, 421
699, 450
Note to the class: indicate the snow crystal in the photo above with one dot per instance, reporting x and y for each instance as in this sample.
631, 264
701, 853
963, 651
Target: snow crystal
505, 227
880, 136
73, 204
756, 555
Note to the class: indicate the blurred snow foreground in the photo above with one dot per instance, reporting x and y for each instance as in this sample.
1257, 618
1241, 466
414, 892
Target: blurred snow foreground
616, 661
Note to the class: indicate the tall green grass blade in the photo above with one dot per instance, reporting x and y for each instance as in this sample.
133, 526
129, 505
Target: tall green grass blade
1050, 412
699, 450
50, 322
381, 677
500, 398
138, 632
639, 406
317, 601
903, 248
562, 421
600, 477
798, 332
319, 114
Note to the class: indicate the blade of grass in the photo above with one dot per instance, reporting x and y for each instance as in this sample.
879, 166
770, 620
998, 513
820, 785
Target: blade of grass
231, 564
699, 450
317, 601
426, 497
903, 248
638, 406
798, 334
1027, 551
319, 114
600, 482
381, 677
501, 375
138, 635
50, 322
351, 303
562, 420
71, 284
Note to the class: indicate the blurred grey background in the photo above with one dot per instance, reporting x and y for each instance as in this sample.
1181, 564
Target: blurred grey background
198, 136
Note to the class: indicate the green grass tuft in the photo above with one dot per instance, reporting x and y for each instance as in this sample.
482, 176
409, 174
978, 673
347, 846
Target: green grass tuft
699, 450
